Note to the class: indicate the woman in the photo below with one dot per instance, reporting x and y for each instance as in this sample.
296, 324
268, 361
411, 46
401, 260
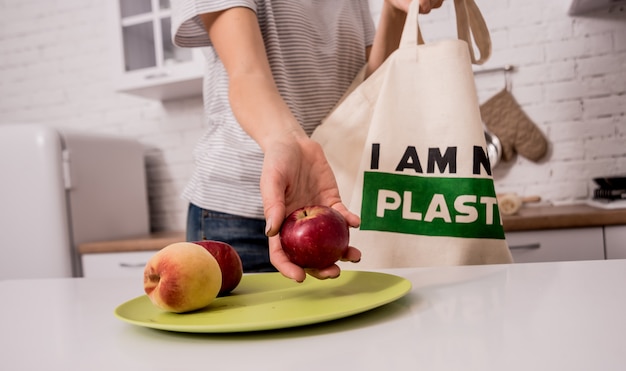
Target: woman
275, 69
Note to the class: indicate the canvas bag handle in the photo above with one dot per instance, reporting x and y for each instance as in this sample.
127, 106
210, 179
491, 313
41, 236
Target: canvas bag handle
471, 28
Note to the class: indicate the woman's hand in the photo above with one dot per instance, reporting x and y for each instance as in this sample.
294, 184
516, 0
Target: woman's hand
425, 5
296, 174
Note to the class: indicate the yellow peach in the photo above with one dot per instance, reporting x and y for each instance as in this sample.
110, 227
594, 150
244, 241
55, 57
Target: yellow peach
182, 277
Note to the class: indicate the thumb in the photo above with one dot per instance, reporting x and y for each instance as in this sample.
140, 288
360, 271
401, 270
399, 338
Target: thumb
273, 205
274, 216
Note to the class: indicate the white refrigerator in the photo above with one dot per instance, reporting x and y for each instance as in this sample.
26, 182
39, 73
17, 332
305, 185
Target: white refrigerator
61, 188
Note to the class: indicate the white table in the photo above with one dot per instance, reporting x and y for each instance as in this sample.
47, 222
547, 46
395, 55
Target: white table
543, 316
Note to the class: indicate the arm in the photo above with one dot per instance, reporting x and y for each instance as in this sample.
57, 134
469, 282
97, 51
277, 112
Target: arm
295, 171
253, 95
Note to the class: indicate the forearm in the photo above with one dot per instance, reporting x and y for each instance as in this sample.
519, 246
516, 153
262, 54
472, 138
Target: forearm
261, 111
387, 37
254, 97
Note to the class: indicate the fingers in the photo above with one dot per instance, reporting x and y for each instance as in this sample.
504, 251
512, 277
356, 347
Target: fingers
321, 274
290, 270
427, 5
274, 216
279, 259
352, 219
352, 255
273, 195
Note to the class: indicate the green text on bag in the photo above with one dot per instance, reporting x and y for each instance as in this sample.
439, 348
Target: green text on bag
431, 206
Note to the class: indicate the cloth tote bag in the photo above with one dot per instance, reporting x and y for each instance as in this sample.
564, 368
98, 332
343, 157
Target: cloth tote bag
408, 150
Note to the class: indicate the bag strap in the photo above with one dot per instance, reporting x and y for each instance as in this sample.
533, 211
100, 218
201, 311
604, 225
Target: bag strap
471, 28
470, 24
411, 34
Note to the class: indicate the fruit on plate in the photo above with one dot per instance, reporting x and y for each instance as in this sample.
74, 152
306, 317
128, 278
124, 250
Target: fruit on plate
314, 236
182, 277
229, 261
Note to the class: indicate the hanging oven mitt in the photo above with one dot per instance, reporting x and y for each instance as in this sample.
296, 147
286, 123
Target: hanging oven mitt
504, 117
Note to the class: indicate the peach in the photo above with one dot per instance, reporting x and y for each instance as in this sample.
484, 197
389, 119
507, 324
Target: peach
182, 277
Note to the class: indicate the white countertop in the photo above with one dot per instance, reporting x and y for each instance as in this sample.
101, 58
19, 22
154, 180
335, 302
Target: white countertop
539, 316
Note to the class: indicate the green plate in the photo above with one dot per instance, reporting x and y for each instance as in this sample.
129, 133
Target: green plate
270, 301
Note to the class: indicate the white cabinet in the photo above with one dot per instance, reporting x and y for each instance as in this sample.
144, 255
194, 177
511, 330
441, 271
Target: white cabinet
557, 245
149, 65
110, 265
615, 241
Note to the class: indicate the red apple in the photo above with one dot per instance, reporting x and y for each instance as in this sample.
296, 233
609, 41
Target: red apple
314, 236
229, 261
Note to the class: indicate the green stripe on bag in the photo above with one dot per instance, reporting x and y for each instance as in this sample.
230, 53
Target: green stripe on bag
452, 207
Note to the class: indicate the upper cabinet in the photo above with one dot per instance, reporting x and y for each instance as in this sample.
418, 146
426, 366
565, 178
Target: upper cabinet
149, 64
579, 7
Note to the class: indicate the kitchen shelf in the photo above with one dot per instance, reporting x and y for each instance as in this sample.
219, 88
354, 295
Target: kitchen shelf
152, 242
569, 216
536, 233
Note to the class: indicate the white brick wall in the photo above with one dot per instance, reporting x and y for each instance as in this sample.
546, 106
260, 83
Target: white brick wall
57, 67
570, 79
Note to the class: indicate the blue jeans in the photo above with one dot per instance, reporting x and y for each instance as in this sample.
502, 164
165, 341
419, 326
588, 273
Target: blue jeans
246, 235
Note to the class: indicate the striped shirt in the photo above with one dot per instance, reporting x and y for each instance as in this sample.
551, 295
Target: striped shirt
315, 48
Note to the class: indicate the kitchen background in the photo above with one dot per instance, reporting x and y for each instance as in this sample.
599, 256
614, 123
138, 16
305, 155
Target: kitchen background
60, 66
